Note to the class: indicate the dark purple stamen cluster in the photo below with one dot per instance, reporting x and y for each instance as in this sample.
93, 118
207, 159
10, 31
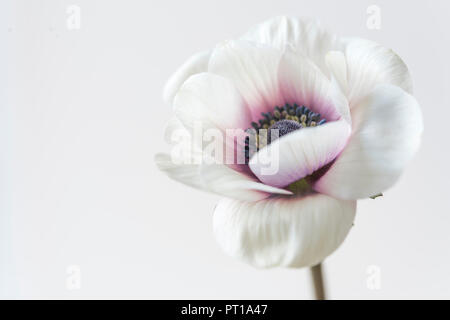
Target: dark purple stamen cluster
283, 127
283, 119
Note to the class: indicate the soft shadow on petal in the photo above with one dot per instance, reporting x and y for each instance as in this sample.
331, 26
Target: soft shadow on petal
253, 70
307, 36
184, 148
186, 164
303, 83
299, 153
216, 178
387, 128
370, 64
287, 232
195, 64
337, 65
212, 101
212, 109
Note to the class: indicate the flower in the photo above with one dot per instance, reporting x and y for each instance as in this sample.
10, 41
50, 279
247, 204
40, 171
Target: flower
347, 125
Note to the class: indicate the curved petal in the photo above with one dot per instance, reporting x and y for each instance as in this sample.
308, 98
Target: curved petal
303, 83
183, 148
337, 65
195, 64
288, 232
216, 178
370, 64
186, 164
223, 180
212, 101
299, 153
387, 130
173, 128
212, 109
187, 173
253, 70
306, 35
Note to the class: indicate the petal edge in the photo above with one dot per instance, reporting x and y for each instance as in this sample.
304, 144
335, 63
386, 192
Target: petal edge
285, 232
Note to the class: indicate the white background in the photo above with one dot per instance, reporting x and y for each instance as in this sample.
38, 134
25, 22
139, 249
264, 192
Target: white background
82, 117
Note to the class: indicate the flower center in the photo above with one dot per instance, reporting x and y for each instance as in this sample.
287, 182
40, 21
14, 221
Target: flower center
284, 127
281, 121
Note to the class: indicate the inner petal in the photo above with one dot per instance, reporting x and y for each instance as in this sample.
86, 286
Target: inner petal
280, 122
299, 153
301, 81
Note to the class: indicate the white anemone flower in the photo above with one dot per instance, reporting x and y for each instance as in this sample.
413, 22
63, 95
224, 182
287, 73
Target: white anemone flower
347, 125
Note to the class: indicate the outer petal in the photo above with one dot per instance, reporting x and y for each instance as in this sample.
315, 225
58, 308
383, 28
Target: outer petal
299, 153
212, 109
186, 165
370, 64
212, 101
253, 69
195, 64
218, 179
387, 127
288, 232
337, 65
183, 149
307, 36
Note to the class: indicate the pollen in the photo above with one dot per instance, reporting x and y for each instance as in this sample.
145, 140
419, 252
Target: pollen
281, 121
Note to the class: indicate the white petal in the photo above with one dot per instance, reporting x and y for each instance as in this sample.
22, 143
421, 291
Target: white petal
211, 100
173, 127
303, 83
212, 109
183, 148
195, 64
186, 165
218, 179
223, 180
337, 65
184, 173
299, 153
307, 36
387, 127
288, 232
253, 69
370, 64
